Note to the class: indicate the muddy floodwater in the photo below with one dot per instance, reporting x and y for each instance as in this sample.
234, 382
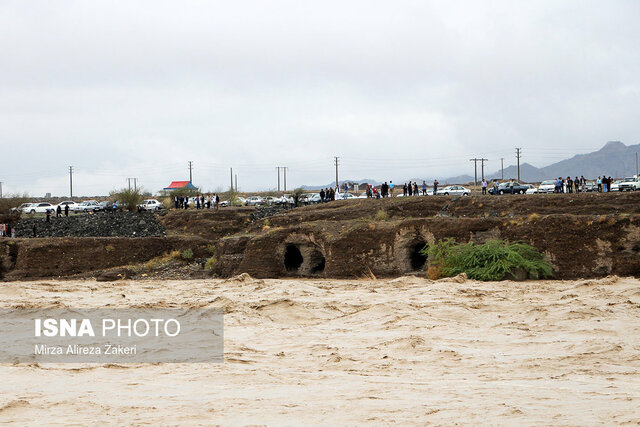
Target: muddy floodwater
350, 352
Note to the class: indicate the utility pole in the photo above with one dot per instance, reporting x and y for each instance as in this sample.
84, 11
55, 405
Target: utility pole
236, 183
278, 169
135, 183
336, 160
518, 155
475, 171
0, 189
502, 167
482, 166
231, 170
285, 177
636, 173
70, 181
191, 171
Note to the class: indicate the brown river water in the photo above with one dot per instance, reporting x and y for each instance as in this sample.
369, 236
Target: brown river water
406, 351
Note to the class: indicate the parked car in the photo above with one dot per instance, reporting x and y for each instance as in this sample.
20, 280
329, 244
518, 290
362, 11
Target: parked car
39, 208
531, 189
150, 205
630, 184
69, 203
590, 187
283, 200
346, 196
240, 201
312, 199
509, 188
269, 200
254, 201
108, 206
616, 185
547, 186
86, 206
23, 208
456, 190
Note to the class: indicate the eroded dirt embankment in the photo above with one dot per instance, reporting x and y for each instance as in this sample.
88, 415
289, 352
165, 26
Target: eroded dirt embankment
584, 235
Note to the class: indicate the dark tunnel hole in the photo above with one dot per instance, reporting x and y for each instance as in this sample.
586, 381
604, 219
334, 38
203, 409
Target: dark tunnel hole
418, 260
292, 258
317, 262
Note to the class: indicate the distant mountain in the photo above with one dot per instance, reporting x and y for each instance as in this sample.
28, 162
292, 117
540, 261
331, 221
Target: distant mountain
614, 159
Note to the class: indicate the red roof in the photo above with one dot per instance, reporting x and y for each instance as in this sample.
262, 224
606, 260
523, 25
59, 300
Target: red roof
177, 184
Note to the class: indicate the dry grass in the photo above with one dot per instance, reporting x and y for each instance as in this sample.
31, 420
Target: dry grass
381, 215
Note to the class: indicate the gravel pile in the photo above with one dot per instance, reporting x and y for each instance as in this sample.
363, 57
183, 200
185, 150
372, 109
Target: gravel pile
116, 224
262, 212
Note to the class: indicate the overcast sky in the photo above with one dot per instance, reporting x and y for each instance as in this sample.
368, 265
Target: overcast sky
397, 89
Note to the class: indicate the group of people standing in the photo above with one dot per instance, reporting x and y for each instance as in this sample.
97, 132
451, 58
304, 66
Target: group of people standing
604, 184
568, 185
408, 189
579, 185
200, 201
327, 194
7, 231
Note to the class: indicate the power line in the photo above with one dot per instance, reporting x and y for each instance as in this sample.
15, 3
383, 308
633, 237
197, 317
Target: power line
475, 169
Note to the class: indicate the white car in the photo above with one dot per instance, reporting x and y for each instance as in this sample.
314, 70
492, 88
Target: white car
630, 184
346, 196
616, 185
254, 201
23, 208
547, 186
313, 199
240, 201
39, 208
86, 206
455, 190
69, 203
532, 189
151, 205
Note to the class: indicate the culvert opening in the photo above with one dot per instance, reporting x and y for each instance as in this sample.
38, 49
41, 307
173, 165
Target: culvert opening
417, 259
316, 261
292, 258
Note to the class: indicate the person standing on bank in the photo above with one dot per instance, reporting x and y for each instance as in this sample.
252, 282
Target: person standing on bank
59, 211
435, 187
66, 210
484, 186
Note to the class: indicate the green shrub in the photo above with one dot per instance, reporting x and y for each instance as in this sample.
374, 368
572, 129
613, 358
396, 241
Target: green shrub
187, 255
12, 201
129, 197
493, 260
210, 263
